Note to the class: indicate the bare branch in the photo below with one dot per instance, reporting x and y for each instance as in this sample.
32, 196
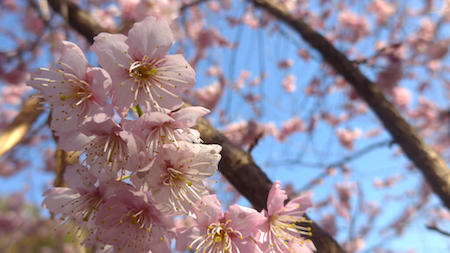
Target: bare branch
440, 231
63, 159
186, 6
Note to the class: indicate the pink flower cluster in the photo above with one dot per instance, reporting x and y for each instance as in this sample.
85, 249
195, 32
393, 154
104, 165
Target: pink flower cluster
141, 161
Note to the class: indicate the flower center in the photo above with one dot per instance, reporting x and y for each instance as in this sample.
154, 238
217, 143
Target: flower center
174, 176
137, 218
140, 70
217, 239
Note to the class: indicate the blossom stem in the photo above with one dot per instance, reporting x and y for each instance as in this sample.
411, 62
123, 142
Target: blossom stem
139, 110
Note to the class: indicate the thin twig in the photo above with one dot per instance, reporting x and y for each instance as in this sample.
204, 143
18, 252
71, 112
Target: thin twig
440, 231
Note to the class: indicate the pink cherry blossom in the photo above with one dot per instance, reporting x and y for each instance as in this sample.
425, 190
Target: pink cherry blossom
240, 82
291, 126
355, 26
163, 9
401, 96
347, 137
73, 89
13, 94
244, 133
141, 70
128, 8
282, 231
288, 83
129, 222
177, 177
215, 231
329, 224
163, 127
80, 202
388, 78
383, 10
110, 148
210, 95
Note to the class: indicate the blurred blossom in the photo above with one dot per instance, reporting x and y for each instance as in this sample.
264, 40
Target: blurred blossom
288, 83
347, 137
356, 26
290, 127
401, 96
210, 95
285, 64
383, 10
329, 224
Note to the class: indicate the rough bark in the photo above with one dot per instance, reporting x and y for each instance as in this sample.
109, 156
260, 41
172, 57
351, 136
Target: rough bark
77, 18
429, 162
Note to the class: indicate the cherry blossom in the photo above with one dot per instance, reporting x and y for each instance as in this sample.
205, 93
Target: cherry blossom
129, 222
111, 147
347, 137
176, 177
215, 231
141, 70
73, 89
163, 127
80, 201
282, 231
288, 83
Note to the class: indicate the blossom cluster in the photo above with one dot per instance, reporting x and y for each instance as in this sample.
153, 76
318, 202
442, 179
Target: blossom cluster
141, 161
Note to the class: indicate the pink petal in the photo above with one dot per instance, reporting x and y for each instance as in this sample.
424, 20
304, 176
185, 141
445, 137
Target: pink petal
78, 177
187, 117
275, 201
74, 60
299, 246
101, 84
244, 219
185, 236
72, 140
57, 198
111, 51
210, 210
177, 74
122, 97
302, 202
99, 124
150, 37
247, 245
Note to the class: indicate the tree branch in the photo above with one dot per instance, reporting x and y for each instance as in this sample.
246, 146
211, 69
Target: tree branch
20, 126
78, 19
186, 6
440, 231
429, 162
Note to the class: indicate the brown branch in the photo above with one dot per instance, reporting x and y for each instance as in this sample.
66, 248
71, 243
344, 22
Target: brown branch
20, 126
440, 231
63, 159
193, 3
429, 162
78, 19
